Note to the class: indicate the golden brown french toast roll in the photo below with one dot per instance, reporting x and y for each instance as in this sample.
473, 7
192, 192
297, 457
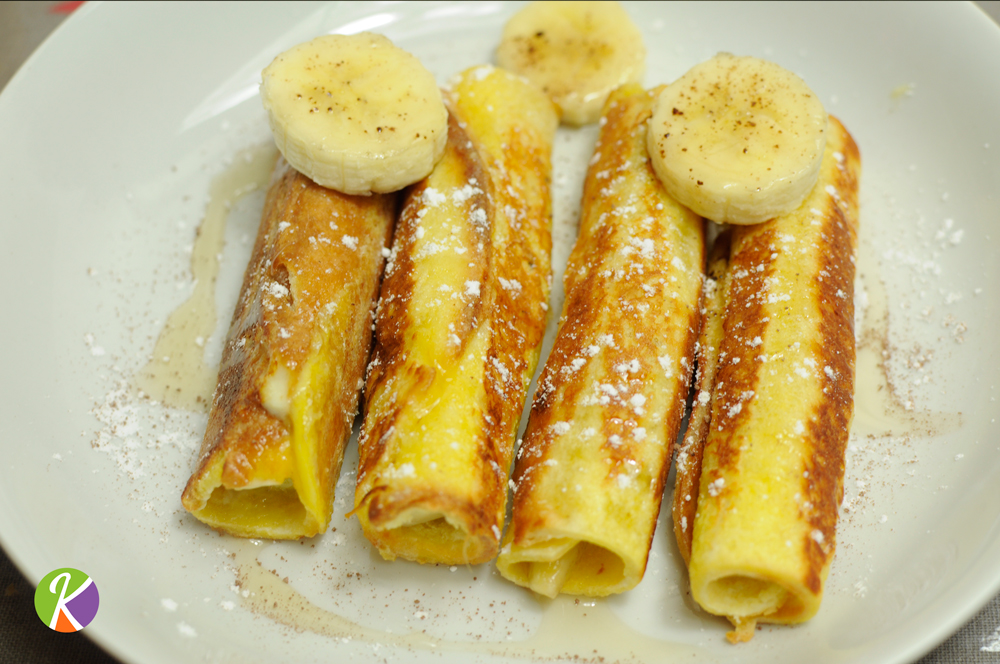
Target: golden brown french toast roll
293, 362
459, 328
771, 475
589, 476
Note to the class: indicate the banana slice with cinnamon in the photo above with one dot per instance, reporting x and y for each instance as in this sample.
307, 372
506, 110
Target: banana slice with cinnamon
576, 52
738, 140
355, 113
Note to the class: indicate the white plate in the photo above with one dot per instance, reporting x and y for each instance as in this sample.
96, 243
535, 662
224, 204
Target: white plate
109, 138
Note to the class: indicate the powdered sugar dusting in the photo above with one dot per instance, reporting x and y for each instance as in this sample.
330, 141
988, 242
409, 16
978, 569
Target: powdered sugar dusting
132, 434
186, 630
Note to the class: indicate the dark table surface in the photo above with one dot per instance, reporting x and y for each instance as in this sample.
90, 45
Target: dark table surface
25, 640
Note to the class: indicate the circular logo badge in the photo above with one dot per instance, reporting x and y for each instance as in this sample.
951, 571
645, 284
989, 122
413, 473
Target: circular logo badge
66, 600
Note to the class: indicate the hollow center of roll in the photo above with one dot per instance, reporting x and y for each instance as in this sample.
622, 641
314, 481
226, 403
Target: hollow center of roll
572, 567
270, 509
436, 528
430, 536
548, 577
739, 595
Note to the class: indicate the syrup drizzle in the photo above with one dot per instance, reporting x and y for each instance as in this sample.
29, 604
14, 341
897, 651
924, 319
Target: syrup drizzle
177, 374
580, 631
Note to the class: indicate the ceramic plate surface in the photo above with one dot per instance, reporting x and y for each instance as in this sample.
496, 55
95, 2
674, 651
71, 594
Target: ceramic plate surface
111, 137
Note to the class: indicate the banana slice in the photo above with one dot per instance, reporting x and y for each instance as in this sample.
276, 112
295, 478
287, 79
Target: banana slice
577, 52
355, 113
737, 139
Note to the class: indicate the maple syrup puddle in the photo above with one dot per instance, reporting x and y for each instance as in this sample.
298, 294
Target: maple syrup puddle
177, 374
580, 631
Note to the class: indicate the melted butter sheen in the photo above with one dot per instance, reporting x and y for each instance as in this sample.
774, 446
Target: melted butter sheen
177, 374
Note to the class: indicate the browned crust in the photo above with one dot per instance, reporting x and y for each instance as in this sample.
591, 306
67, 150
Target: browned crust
824, 483
750, 268
238, 426
692, 447
393, 322
390, 359
753, 250
594, 306
516, 181
527, 260
287, 282
830, 424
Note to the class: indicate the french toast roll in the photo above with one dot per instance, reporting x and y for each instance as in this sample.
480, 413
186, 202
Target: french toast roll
771, 475
459, 328
293, 362
589, 475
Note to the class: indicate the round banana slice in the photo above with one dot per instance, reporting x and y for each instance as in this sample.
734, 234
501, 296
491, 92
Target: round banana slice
738, 140
355, 113
576, 52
